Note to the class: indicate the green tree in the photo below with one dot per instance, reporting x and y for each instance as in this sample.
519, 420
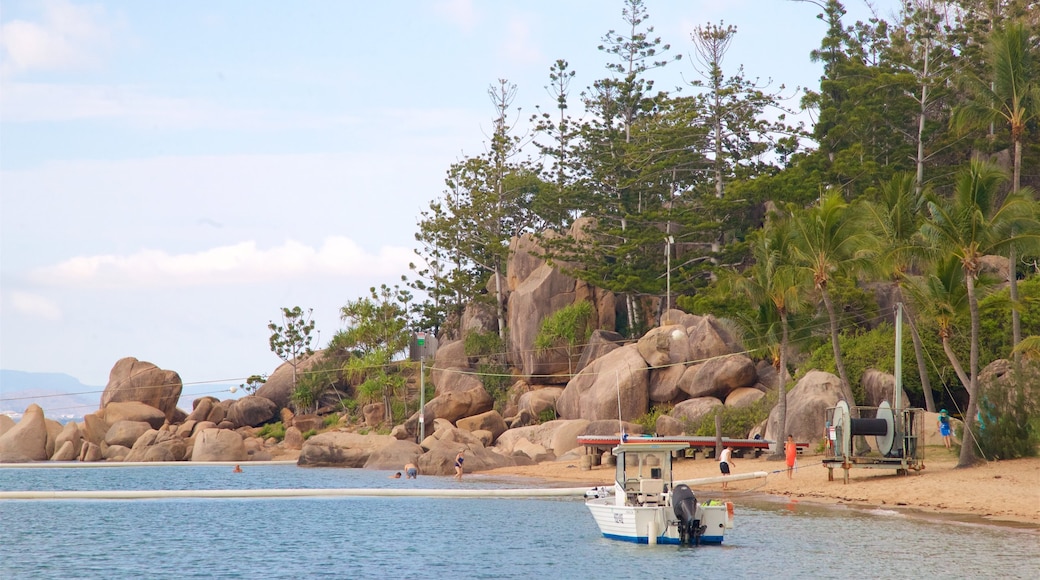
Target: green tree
1009, 95
897, 216
832, 239
773, 286
378, 330
971, 225
253, 383
465, 237
568, 328
291, 340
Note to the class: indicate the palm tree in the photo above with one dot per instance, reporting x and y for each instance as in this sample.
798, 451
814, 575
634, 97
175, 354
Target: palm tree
897, 215
942, 293
968, 227
1011, 95
772, 286
831, 239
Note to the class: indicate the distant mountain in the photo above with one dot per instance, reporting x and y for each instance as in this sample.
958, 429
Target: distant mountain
61, 396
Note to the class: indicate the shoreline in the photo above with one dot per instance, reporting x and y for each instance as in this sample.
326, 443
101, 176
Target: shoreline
993, 493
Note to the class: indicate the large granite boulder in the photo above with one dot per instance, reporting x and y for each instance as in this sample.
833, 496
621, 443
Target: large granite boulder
488, 421
54, 429
543, 292
595, 392
126, 433
717, 377
71, 437
394, 456
523, 259
807, 403
694, 410
664, 380
27, 440
453, 406
879, 386
218, 445
279, 386
94, 427
479, 317
610, 428
251, 411
540, 434
134, 411
6, 423
710, 338
141, 381
201, 408
743, 397
65, 452
600, 343
341, 449
664, 345
565, 436
539, 400
447, 361
667, 426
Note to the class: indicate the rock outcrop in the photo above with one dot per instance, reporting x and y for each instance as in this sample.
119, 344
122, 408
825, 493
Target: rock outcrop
27, 440
616, 381
218, 445
806, 405
141, 381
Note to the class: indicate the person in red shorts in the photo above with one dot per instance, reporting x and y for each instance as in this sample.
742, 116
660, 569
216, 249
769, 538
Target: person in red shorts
790, 454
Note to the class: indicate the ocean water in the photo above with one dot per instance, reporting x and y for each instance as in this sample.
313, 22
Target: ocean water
452, 538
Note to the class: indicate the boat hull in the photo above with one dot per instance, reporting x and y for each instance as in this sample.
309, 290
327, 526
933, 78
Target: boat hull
637, 523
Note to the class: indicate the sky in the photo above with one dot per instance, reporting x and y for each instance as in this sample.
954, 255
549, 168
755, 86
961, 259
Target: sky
173, 174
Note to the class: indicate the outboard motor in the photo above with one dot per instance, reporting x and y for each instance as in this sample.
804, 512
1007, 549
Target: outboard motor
684, 504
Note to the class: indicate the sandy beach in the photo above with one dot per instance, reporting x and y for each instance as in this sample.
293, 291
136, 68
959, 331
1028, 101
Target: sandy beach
997, 491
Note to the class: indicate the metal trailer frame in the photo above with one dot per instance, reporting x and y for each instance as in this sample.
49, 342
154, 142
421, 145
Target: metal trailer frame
900, 448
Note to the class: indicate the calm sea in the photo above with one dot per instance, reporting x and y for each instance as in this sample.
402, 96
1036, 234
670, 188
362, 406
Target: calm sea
547, 539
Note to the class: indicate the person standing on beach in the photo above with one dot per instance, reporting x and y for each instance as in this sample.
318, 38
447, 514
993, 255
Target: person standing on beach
790, 454
458, 465
944, 427
725, 461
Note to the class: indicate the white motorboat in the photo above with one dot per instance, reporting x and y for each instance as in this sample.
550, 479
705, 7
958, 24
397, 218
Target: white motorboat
645, 507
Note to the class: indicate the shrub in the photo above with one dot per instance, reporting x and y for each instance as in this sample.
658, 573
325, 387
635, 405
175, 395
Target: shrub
547, 415
330, 420
1009, 415
276, 430
737, 422
649, 420
309, 433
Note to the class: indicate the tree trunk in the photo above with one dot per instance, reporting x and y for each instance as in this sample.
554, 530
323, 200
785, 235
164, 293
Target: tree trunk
499, 305
922, 367
846, 388
967, 457
1016, 318
781, 387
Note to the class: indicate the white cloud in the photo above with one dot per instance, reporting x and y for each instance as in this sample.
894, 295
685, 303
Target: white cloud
34, 305
67, 37
235, 264
460, 12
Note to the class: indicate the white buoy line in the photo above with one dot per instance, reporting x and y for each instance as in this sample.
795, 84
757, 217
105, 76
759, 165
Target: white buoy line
292, 493
335, 492
98, 464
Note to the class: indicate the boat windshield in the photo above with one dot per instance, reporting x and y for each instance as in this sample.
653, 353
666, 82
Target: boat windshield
634, 465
